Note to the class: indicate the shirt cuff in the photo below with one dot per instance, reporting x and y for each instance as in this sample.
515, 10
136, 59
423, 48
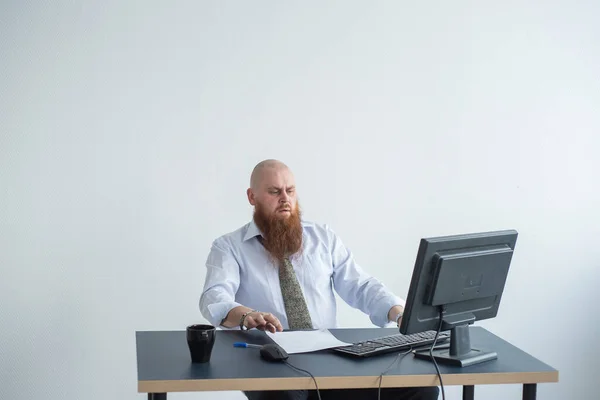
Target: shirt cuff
216, 312
380, 316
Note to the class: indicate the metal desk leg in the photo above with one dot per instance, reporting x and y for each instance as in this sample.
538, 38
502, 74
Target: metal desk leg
468, 392
157, 396
529, 391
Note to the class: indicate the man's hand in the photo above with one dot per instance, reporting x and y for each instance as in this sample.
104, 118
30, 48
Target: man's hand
263, 321
255, 319
394, 312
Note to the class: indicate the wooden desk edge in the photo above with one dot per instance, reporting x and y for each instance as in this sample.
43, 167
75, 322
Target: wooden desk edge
338, 382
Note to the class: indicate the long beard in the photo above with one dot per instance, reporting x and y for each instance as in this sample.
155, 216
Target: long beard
282, 236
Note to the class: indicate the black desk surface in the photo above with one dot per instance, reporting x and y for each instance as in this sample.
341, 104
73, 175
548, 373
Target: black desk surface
163, 365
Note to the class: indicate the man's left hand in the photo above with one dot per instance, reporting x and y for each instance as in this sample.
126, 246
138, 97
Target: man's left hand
394, 312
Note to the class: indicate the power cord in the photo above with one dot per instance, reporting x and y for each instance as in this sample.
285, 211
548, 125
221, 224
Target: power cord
398, 356
437, 368
305, 371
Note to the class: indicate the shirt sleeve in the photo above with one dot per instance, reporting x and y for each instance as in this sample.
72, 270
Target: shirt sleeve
357, 288
221, 283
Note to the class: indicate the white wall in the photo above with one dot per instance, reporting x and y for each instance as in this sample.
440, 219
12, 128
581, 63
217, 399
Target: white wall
128, 131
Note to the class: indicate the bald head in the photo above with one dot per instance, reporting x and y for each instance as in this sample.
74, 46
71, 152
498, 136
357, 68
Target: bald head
273, 188
264, 168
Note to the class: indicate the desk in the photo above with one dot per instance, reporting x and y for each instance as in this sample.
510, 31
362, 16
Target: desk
163, 365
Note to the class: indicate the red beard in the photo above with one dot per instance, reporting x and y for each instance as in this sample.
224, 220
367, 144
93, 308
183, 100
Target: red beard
282, 236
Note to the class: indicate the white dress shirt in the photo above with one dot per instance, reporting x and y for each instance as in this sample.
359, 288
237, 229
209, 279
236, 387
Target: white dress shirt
239, 272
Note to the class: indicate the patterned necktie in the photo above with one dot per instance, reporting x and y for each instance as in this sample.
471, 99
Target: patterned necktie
293, 299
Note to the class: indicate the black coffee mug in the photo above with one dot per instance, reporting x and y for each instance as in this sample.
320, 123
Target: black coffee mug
201, 340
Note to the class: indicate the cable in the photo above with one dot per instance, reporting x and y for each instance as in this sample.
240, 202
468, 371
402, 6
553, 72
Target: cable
311, 375
431, 352
388, 368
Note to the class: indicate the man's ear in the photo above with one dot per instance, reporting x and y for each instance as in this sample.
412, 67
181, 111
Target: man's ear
250, 195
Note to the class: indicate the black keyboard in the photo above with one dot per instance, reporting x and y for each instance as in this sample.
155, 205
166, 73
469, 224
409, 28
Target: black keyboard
391, 343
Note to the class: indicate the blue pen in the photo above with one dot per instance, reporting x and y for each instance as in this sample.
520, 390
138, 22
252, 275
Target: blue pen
242, 344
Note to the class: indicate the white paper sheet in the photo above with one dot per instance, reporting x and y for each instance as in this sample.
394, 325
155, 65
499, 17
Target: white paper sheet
305, 341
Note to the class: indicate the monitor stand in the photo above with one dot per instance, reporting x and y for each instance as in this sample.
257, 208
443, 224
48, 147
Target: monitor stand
460, 353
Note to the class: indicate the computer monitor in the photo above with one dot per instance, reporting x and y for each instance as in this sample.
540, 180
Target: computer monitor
461, 278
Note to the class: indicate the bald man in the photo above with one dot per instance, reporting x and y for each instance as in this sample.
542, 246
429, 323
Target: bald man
279, 272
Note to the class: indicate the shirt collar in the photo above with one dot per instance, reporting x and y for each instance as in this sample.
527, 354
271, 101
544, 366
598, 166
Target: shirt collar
253, 231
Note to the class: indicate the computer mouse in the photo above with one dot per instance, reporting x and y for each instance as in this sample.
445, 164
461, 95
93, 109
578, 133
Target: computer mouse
273, 352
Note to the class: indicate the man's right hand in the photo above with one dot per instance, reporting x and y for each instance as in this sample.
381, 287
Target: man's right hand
263, 321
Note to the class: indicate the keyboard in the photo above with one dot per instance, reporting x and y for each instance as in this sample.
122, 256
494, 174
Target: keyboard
392, 343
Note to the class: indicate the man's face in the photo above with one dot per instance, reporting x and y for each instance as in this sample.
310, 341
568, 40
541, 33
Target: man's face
275, 193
